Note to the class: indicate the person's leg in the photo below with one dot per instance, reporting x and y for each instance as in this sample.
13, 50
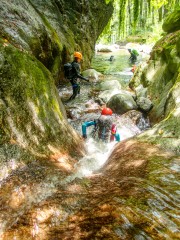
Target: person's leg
134, 58
75, 92
79, 89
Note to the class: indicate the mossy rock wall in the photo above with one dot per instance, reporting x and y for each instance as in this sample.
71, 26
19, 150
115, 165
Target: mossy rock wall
32, 114
36, 39
161, 77
53, 30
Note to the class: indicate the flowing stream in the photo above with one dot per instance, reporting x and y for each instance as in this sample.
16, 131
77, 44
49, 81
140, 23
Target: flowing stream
160, 205
84, 108
41, 202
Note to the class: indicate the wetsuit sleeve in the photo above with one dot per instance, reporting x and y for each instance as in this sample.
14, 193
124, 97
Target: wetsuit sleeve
76, 69
85, 125
117, 137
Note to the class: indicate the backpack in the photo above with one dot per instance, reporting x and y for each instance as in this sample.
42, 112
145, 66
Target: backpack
68, 70
135, 52
104, 127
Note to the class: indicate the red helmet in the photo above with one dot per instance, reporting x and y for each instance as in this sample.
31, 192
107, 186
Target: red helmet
107, 111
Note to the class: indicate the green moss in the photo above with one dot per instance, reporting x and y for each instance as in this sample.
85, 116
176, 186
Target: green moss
30, 94
139, 202
172, 22
107, 1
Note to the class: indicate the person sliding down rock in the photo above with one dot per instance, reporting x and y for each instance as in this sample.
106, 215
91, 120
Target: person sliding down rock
76, 74
104, 128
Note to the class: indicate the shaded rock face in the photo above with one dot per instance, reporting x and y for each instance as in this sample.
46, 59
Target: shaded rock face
32, 114
53, 30
36, 38
172, 22
161, 77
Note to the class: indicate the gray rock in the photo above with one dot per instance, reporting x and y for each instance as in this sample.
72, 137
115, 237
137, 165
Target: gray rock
107, 94
122, 103
141, 91
144, 104
109, 85
92, 73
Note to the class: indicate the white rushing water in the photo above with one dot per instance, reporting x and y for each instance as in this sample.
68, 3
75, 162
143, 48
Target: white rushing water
96, 157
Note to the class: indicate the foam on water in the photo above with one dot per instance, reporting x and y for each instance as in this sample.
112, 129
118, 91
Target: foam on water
96, 157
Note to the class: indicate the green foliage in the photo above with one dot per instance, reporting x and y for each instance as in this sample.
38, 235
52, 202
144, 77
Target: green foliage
159, 3
149, 5
137, 17
155, 34
122, 16
107, 1
136, 12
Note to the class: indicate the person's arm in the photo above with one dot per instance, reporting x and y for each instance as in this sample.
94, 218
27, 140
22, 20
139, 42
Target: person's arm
114, 134
77, 72
85, 125
117, 137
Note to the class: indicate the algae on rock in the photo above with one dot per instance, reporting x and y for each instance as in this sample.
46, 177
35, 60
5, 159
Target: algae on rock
161, 77
36, 39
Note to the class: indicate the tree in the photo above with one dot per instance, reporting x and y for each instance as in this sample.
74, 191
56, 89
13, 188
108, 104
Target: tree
132, 17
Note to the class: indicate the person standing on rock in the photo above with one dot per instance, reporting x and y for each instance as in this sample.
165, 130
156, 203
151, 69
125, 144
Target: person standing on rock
76, 74
104, 127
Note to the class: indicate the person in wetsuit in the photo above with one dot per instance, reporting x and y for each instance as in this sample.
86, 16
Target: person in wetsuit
76, 74
104, 127
134, 54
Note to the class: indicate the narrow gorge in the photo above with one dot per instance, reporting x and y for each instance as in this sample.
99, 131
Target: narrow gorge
135, 194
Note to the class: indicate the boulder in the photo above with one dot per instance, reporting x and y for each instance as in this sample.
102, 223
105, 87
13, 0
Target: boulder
144, 104
92, 73
109, 85
141, 91
107, 94
103, 48
121, 103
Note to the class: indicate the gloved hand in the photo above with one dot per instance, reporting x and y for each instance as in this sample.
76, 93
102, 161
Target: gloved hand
84, 136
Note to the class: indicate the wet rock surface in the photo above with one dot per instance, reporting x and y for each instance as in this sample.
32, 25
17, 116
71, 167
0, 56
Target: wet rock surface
160, 79
134, 195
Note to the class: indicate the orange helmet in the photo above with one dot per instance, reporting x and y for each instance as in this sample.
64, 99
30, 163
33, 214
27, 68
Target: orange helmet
78, 55
107, 111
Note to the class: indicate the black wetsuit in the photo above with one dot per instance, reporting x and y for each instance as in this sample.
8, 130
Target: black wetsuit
133, 57
75, 75
134, 54
104, 124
